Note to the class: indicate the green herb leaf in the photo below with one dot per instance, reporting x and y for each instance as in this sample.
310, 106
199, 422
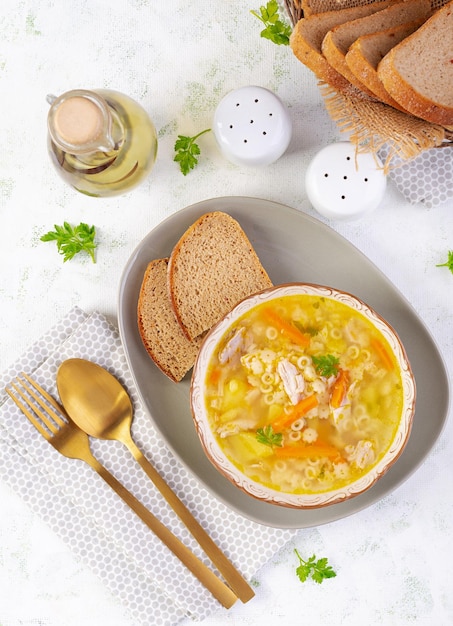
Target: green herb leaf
449, 262
267, 436
187, 151
276, 30
318, 570
326, 365
72, 240
307, 330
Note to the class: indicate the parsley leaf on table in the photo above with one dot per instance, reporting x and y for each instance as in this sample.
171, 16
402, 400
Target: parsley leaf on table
72, 240
187, 151
267, 436
318, 570
449, 262
276, 31
326, 365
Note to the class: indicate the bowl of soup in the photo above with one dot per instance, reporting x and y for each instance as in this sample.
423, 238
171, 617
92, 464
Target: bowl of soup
302, 396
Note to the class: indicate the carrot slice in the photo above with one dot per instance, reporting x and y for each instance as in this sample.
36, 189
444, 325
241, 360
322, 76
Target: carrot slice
299, 410
382, 351
214, 376
286, 328
307, 452
339, 389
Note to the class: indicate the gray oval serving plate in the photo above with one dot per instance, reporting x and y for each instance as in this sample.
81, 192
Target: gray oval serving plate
292, 247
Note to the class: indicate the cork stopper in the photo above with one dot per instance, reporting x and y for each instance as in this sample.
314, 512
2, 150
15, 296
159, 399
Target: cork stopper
79, 121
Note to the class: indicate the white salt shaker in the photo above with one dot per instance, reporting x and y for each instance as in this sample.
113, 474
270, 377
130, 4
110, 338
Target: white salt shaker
343, 184
252, 126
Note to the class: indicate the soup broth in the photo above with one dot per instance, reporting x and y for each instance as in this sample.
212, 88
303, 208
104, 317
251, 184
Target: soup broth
304, 395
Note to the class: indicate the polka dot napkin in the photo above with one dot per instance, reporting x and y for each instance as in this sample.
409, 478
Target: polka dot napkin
80, 507
426, 179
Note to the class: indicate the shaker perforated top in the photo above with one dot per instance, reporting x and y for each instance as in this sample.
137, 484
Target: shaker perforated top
343, 184
252, 126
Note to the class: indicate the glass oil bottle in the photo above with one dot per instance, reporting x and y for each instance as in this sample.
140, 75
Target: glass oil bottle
101, 142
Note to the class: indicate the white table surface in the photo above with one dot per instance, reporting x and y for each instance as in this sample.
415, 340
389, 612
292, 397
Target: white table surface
178, 59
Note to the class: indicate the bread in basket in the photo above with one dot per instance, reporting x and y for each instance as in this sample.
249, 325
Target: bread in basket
407, 121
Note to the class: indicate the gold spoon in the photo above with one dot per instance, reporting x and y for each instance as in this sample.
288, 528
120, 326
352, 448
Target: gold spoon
99, 405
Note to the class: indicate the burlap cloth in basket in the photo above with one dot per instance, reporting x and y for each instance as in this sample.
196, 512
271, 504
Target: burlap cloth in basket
417, 155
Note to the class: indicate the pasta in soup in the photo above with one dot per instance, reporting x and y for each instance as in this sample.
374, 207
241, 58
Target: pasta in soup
303, 394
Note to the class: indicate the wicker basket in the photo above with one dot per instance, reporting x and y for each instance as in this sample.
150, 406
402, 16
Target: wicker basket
373, 125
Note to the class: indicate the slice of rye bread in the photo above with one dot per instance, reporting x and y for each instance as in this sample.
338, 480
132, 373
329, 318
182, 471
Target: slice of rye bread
418, 72
308, 34
338, 40
159, 330
367, 51
212, 267
310, 7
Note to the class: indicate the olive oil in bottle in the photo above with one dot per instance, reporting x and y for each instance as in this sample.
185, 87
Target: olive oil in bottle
101, 142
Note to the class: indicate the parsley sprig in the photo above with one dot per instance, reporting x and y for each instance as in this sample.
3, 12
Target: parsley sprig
71, 240
275, 29
449, 262
187, 151
318, 570
307, 330
267, 436
326, 365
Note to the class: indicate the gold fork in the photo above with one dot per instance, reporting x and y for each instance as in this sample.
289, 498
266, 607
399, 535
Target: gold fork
53, 423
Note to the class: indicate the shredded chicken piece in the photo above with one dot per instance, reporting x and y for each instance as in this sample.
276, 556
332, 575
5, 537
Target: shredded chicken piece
234, 346
292, 379
235, 426
362, 454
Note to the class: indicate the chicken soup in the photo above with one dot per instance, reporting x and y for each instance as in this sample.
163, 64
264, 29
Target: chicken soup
303, 394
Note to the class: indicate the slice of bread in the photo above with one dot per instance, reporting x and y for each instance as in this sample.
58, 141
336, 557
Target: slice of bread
308, 34
161, 334
418, 72
212, 267
367, 51
338, 40
310, 7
